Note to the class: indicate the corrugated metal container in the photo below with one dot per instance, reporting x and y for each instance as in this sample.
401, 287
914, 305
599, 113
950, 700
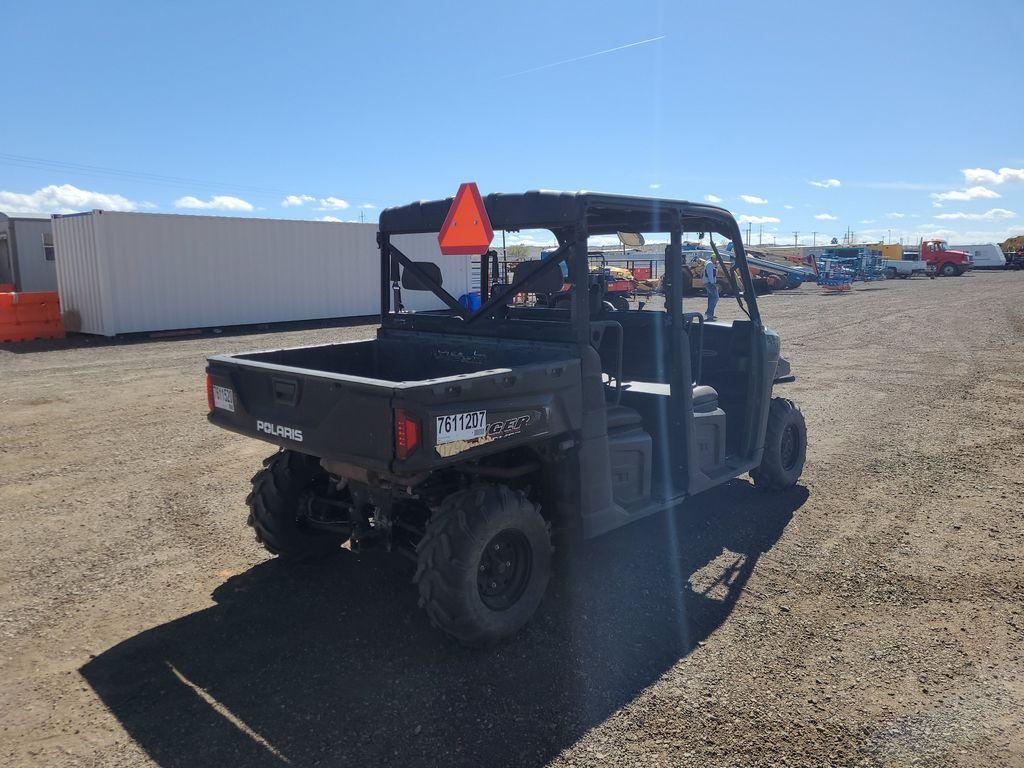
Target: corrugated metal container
131, 272
26, 253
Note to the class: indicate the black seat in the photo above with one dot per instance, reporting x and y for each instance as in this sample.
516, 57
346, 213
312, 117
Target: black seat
705, 398
620, 416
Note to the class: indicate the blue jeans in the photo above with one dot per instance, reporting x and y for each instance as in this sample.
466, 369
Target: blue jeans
712, 292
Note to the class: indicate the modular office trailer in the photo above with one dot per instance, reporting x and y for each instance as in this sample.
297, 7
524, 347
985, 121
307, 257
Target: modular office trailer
26, 253
132, 272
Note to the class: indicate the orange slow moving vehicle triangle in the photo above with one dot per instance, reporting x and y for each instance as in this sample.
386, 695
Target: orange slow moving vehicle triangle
467, 229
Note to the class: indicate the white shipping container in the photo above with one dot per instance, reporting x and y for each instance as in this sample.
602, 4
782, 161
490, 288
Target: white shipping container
131, 272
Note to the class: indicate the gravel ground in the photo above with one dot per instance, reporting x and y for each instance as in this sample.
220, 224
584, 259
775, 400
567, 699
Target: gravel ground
871, 616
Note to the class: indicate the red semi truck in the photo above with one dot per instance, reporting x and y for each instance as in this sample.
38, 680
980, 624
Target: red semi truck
944, 261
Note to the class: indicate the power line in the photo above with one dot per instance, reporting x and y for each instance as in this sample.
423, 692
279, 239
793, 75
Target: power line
39, 163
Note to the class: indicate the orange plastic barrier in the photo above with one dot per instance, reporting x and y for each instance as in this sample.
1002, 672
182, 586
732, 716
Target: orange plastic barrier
30, 315
642, 273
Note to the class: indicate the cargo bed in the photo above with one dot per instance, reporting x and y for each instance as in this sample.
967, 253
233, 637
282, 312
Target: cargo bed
338, 401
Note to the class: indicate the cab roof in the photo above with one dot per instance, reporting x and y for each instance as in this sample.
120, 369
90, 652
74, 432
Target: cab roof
600, 212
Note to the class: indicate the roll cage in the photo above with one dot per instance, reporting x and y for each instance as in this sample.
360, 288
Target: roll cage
571, 217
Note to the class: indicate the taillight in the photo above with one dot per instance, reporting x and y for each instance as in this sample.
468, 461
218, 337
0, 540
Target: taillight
407, 433
209, 392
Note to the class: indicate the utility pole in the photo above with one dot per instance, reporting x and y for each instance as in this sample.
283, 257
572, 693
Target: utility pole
888, 239
760, 234
796, 241
814, 238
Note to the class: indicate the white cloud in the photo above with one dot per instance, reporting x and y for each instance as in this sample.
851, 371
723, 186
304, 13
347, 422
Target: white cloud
713, 198
954, 236
826, 183
825, 217
788, 207
986, 176
325, 203
65, 198
654, 186
745, 219
330, 218
867, 221
895, 215
296, 200
215, 203
333, 204
989, 215
753, 199
535, 237
971, 193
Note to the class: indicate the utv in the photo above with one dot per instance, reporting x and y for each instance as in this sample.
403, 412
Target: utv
468, 439
614, 284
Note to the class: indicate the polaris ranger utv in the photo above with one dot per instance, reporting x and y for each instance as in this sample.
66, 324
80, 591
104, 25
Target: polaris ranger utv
467, 439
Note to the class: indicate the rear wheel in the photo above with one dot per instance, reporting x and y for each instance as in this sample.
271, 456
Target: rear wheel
280, 490
483, 564
620, 303
891, 272
785, 447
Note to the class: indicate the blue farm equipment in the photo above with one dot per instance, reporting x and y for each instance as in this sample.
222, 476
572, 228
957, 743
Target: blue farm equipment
864, 264
832, 274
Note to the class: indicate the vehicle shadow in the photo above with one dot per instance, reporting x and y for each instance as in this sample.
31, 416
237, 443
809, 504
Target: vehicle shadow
334, 665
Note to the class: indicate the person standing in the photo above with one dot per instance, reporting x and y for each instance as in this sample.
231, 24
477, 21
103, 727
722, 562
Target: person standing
710, 279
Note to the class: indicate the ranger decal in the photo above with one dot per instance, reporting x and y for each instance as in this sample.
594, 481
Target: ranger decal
494, 431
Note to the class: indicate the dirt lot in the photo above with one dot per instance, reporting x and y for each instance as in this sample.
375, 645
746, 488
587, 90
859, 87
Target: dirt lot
872, 616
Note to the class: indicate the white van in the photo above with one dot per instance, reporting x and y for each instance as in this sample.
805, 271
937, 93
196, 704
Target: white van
986, 256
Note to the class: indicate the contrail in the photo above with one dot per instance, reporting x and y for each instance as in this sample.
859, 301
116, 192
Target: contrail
585, 56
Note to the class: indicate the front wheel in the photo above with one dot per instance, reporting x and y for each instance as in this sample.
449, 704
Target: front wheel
949, 270
785, 447
483, 564
891, 272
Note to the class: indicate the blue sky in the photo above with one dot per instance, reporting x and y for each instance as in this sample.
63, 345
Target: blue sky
861, 115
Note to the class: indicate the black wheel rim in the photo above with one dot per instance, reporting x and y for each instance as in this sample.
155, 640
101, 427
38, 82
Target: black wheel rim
790, 448
504, 570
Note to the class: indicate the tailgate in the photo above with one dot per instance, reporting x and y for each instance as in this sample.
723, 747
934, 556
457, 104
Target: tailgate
319, 414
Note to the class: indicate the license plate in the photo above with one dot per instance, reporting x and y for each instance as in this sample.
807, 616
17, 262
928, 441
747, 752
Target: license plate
223, 398
461, 426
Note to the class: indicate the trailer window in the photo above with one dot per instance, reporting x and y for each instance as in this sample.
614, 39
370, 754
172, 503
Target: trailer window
48, 252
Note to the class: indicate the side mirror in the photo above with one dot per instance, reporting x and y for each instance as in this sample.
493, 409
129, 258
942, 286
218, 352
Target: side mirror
550, 281
412, 282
